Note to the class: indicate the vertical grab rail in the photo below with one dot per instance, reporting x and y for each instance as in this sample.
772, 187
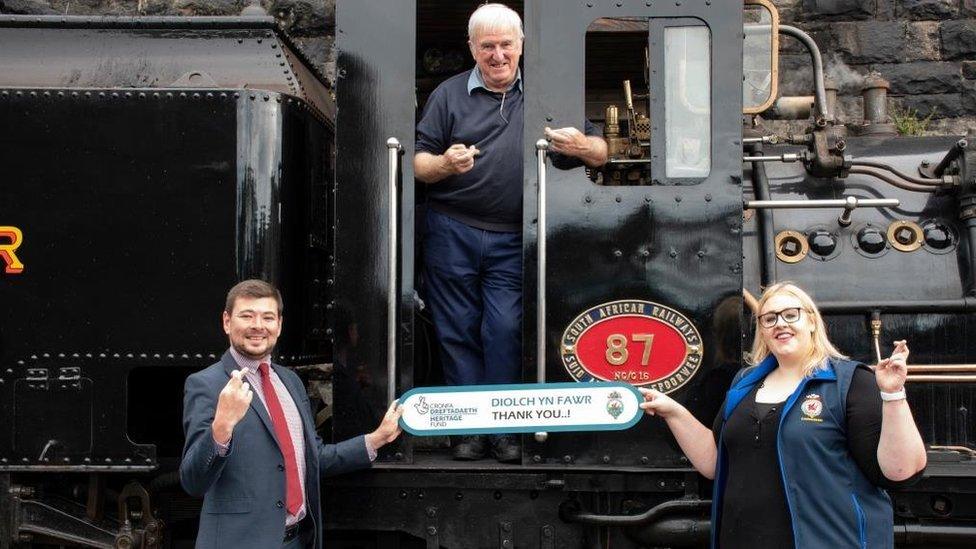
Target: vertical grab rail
541, 147
393, 156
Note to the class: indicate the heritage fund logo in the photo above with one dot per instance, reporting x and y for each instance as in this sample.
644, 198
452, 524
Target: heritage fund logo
632, 341
10, 239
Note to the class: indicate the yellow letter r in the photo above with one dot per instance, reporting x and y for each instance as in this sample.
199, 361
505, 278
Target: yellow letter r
7, 254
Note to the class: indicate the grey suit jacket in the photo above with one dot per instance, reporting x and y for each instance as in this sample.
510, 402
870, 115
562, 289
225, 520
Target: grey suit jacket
244, 491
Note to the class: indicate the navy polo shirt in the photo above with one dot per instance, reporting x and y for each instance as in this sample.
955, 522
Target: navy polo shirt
462, 110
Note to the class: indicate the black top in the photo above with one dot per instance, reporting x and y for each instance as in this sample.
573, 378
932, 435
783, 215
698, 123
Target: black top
489, 196
754, 508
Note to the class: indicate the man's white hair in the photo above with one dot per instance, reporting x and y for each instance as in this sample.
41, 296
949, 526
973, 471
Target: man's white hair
494, 18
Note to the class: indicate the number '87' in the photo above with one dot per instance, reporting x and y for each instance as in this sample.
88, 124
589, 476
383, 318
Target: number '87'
617, 352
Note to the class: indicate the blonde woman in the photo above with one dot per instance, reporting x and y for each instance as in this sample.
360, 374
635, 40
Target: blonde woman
806, 440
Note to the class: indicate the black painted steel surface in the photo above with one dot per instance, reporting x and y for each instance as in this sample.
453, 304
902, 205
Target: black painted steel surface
157, 52
139, 208
853, 282
673, 243
143, 196
376, 89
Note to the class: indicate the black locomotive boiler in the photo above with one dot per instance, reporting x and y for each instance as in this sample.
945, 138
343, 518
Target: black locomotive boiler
152, 162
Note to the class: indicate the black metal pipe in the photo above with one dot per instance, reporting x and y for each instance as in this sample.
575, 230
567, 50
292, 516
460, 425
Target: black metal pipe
820, 90
673, 532
961, 305
957, 149
903, 175
934, 535
694, 532
971, 230
901, 184
573, 513
690, 527
760, 186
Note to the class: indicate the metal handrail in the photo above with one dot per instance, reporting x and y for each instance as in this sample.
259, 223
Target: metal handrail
541, 148
940, 379
827, 203
935, 368
393, 160
849, 203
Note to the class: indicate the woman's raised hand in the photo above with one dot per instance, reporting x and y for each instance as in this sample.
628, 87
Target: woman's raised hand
657, 403
892, 371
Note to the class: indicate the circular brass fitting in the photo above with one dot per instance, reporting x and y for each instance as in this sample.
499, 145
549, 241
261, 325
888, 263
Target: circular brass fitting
905, 236
791, 246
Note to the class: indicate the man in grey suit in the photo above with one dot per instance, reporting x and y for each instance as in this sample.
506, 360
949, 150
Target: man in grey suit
256, 461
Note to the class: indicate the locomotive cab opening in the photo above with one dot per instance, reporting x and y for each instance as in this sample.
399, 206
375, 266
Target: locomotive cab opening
645, 82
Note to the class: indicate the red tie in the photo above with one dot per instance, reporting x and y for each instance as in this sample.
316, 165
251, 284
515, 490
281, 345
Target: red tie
293, 488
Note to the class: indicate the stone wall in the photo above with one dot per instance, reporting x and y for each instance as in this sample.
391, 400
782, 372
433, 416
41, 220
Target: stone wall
925, 48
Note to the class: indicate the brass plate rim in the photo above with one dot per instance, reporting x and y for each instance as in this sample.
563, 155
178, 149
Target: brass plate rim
804, 246
915, 227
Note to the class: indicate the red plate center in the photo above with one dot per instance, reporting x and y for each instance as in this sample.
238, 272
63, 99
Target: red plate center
632, 348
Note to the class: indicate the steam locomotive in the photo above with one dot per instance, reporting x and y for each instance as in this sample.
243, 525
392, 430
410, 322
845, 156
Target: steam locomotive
151, 162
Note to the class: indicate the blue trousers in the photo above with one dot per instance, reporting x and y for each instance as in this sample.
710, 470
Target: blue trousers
474, 289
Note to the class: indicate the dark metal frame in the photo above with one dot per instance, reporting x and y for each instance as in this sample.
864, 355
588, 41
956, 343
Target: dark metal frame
628, 241
375, 88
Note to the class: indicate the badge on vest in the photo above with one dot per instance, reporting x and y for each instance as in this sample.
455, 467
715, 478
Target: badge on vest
812, 407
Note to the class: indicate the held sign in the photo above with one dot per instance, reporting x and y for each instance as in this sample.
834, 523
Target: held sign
522, 408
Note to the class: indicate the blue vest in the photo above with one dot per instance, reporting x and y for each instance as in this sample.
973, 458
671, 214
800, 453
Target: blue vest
831, 503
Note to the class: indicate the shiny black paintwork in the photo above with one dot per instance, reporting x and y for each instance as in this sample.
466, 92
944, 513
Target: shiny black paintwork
141, 204
137, 217
145, 188
676, 243
376, 92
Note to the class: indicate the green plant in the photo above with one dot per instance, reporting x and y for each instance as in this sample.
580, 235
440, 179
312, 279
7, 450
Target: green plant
907, 121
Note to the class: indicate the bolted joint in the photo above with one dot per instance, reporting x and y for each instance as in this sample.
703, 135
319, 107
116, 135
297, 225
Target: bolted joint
124, 541
845, 218
875, 324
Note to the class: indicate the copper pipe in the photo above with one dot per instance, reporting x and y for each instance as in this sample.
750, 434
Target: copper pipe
962, 449
887, 178
919, 368
941, 379
910, 178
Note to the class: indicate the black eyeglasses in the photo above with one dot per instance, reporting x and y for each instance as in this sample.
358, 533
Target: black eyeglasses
789, 316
